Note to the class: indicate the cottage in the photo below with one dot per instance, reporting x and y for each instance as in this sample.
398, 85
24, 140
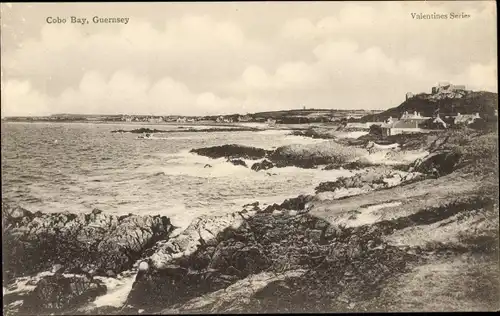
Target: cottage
127, 118
408, 123
181, 120
465, 119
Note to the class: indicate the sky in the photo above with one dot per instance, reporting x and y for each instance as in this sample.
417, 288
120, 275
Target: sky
195, 58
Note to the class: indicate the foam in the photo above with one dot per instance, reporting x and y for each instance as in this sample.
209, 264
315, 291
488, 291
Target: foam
351, 134
25, 284
118, 290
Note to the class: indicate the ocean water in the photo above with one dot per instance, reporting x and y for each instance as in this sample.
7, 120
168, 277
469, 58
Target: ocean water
76, 167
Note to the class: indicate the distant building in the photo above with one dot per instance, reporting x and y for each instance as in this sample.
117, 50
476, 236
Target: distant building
244, 118
409, 95
413, 116
181, 120
155, 119
127, 118
270, 121
465, 119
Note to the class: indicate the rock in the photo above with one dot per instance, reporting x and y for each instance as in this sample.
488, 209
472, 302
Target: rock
141, 130
311, 156
313, 234
263, 165
57, 268
252, 205
231, 151
94, 241
438, 163
246, 259
58, 293
143, 266
296, 204
207, 166
238, 162
332, 166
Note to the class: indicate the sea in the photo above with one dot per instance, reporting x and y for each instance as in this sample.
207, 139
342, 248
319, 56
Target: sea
77, 167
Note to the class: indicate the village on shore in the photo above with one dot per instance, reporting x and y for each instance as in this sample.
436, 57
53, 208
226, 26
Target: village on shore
442, 111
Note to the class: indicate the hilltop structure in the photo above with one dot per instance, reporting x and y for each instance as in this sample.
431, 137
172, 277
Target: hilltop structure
446, 87
441, 91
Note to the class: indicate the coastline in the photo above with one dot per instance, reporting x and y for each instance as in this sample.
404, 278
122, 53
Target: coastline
363, 231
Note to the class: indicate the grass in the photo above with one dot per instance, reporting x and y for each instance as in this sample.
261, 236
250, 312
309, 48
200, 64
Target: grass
462, 283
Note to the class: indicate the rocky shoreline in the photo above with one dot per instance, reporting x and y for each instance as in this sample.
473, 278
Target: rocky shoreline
350, 247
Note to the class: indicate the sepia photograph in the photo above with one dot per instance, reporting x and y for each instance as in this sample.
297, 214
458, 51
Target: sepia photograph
249, 157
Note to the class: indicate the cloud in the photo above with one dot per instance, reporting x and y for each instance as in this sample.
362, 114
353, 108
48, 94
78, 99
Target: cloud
339, 55
19, 98
346, 76
184, 47
123, 92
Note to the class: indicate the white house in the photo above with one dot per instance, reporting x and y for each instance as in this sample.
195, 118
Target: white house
465, 118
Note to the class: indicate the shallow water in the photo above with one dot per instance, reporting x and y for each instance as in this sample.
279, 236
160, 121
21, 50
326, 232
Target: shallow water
76, 167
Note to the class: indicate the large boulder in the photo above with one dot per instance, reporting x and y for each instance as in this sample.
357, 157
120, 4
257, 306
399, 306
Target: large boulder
312, 155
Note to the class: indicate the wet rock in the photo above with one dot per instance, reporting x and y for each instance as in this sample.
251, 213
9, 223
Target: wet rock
141, 130
57, 293
251, 206
296, 204
238, 162
231, 151
263, 165
94, 241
